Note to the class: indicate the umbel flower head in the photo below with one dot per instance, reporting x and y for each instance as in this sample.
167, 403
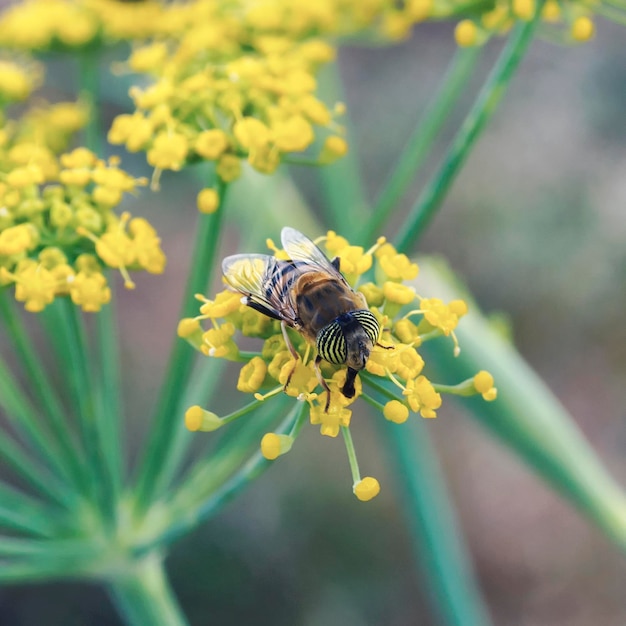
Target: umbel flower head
235, 81
58, 230
281, 307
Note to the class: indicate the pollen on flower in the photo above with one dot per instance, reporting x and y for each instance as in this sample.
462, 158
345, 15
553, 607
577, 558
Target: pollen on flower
208, 201
422, 397
273, 445
396, 412
466, 33
583, 29
196, 418
252, 375
484, 384
366, 489
285, 360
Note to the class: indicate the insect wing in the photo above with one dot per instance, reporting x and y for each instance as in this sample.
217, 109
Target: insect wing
301, 248
259, 278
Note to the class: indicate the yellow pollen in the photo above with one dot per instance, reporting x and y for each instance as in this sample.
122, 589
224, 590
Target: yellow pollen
366, 489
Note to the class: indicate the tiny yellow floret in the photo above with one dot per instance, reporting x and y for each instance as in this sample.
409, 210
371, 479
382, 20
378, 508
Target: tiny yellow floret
583, 29
208, 201
273, 445
366, 489
252, 375
484, 384
466, 33
524, 9
196, 418
396, 412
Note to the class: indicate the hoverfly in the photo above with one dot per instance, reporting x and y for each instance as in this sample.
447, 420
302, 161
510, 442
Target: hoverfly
309, 294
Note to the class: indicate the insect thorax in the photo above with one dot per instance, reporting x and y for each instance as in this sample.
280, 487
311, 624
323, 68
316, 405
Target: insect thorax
320, 300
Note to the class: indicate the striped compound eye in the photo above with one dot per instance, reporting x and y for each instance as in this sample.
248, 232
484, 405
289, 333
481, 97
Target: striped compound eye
348, 328
331, 344
369, 322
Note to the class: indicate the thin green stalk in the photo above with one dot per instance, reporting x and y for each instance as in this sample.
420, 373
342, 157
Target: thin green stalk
108, 395
168, 437
108, 380
82, 382
144, 596
22, 513
354, 464
434, 529
32, 473
53, 412
46, 550
486, 103
526, 416
189, 517
25, 420
345, 202
421, 141
30, 570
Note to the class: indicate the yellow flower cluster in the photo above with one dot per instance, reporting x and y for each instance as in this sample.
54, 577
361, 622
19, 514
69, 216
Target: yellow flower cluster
235, 81
39, 25
575, 16
58, 230
394, 370
18, 79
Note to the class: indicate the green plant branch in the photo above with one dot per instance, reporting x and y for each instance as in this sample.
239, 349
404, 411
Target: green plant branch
32, 472
345, 202
168, 438
187, 518
485, 106
87, 402
434, 529
107, 383
25, 420
66, 445
143, 594
526, 416
421, 141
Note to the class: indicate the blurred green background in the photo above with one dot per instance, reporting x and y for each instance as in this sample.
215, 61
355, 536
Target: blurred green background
536, 226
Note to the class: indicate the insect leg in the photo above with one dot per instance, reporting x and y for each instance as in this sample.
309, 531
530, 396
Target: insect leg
292, 350
318, 373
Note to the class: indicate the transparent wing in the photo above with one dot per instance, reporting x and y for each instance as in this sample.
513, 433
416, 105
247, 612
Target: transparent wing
265, 281
300, 248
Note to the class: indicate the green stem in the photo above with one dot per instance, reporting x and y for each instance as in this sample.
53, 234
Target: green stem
108, 396
421, 141
354, 464
184, 519
31, 472
345, 201
437, 541
169, 438
108, 384
19, 512
24, 418
476, 120
143, 595
87, 401
40, 384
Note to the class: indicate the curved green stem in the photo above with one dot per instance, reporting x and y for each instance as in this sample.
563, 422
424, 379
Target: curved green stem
191, 515
345, 201
168, 438
19, 512
67, 452
144, 596
421, 141
87, 400
107, 387
24, 418
476, 120
435, 532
